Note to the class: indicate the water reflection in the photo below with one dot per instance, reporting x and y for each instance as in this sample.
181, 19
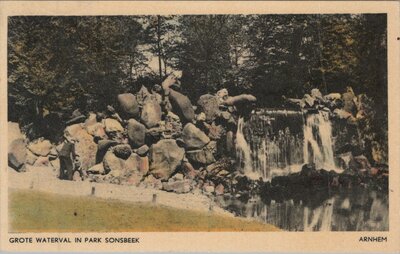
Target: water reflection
359, 210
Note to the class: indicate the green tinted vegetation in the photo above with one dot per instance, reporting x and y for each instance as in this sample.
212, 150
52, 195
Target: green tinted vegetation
32, 211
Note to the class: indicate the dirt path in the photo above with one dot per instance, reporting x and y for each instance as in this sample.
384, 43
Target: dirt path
43, 179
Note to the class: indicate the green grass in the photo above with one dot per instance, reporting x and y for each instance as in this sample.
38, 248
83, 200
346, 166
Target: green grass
32, 211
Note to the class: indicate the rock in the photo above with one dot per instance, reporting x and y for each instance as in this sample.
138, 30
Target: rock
102, 148
72, 131
181, 106
179, 186
333, 96
76, 177
346, 160
30, 157
151, 112
209, 104
17, 154
193, 137
222, 95
378, 154
172, 127
342, 114
352, 120
142, 95
316, 94
92, 119
348, 100
13, 133
215, 132
178, 177
208, 188
189, 171
42, 161
165, 156
239, 99
97, 169
136, 133
53, 153
223, 164
85, 147
143, 164
151, 182
76, 119
219, 190
201, 117
117, 166
128, 105
112, 125
122, 151
97, 130
203, 156
226, 115
143, 150
40, 147
362, 162
168, 82
56, 166
309, 101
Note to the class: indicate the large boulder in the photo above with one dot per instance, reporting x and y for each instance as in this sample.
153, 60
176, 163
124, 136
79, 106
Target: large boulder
40, 147
122, 151
181, 106
97, 169
151, 112
333, 96
348, 100
116, 166
239, 99
85, 147
30, 157
316, 94
112, 125
165, 156
151, 182
136, 133
102, 148
128, 105
209, 104
203, 156
193, 137
178, 186
17, 154
94, 128
97, 130
13, 132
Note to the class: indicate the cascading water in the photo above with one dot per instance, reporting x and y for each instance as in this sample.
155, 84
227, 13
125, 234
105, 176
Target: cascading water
243, 152
318, 147
278, 142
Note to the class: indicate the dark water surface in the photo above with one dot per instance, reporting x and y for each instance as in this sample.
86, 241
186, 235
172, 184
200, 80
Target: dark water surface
350, 210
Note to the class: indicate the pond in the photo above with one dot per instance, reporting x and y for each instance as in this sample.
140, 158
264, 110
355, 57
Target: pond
349, 210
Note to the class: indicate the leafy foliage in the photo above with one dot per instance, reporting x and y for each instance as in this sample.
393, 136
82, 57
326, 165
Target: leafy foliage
57, 64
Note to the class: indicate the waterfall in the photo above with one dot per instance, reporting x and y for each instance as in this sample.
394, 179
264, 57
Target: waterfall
279, 142
243, 152
318, 147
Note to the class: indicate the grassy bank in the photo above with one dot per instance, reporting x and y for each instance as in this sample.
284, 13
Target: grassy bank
32, 211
